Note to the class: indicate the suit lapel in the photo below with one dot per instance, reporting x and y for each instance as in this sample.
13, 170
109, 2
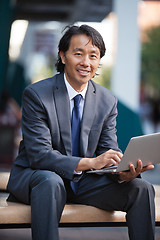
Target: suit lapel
63, 112
88, 116
64, 118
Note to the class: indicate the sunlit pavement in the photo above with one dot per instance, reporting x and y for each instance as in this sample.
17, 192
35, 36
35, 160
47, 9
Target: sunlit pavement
75, 234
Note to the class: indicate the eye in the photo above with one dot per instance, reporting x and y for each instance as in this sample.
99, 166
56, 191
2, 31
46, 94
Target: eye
78, 54
93, 56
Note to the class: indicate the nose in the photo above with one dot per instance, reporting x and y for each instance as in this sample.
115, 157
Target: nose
85, 61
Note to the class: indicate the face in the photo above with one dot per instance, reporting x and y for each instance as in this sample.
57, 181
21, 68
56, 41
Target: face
81, 61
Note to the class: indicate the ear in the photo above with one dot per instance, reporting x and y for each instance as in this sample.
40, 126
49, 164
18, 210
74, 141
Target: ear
62, 55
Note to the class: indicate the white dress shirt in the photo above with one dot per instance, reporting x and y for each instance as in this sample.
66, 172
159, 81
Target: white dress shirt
72, 93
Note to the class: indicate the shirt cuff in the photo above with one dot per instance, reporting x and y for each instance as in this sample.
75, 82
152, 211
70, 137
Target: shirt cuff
120, 181
78, 173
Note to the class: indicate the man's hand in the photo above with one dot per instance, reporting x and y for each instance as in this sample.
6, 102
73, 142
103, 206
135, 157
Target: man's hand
134, 172
107, 159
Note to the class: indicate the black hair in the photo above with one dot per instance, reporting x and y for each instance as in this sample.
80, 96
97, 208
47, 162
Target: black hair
64, 42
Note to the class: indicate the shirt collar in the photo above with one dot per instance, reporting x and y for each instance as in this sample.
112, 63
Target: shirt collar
71, 92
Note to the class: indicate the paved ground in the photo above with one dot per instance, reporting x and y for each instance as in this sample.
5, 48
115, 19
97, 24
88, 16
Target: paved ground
75, 234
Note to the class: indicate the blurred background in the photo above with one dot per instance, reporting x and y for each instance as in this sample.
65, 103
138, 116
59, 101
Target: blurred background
30, 32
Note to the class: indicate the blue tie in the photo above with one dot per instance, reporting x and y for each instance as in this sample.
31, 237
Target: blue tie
76, 121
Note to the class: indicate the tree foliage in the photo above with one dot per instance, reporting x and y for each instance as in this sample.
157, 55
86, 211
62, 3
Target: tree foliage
104, 76
151, 61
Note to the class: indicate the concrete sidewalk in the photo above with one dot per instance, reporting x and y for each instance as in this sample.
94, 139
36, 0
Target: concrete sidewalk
75, 234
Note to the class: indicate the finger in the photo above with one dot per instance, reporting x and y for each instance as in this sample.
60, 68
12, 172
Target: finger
132, 169
149, 167
119, 154
139, 166
115, 156
112, 162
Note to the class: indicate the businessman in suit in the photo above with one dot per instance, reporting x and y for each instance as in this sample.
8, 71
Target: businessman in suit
69, 126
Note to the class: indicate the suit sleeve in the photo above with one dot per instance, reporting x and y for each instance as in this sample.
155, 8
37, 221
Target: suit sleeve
37, 139
108, 137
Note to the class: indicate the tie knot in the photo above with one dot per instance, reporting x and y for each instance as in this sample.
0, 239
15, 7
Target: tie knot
77, 100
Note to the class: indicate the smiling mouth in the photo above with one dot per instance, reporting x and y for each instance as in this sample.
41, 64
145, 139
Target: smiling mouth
84, 72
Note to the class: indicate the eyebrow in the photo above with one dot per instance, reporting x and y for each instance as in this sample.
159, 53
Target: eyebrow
78, 49
81, 50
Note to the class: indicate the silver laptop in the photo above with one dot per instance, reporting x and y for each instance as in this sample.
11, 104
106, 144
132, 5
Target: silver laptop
146, 148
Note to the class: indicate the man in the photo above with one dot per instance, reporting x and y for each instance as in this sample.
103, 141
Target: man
50, 167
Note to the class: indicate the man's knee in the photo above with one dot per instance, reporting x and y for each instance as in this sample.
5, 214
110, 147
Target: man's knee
47, 181
142, 186
140, 192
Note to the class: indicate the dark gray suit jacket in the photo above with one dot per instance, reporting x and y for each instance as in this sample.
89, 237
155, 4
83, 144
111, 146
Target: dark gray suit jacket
46, 127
